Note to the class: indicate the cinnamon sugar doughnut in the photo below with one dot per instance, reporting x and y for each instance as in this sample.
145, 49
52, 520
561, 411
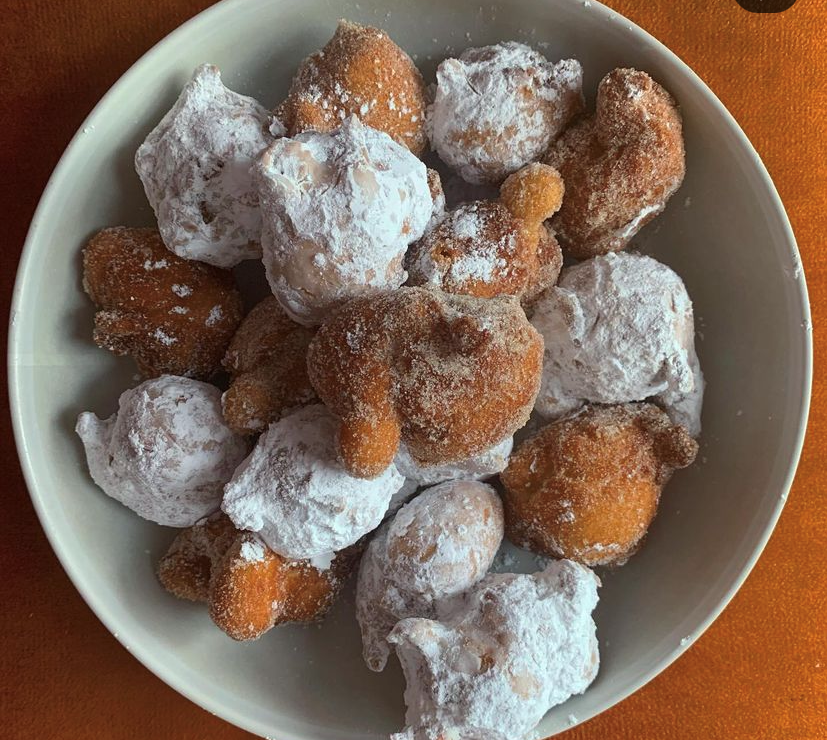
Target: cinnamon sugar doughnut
449, 375
513, 648
195, 167
248, 587
437, 546
340, 210
359, 72
167, 453
497, 108
488, 248
620, 165
267, 363
587, 487
173, 316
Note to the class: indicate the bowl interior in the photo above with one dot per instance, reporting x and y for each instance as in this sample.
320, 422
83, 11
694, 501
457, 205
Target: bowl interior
725, 233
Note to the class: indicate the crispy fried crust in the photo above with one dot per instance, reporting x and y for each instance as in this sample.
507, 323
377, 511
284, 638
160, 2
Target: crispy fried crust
174, 316
361, 72
450, 375
587, 487
620, 165
267, 363
248, 587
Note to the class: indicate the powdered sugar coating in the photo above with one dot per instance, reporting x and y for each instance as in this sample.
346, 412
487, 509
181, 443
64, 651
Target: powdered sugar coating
481, 466
619, 328
340, 210
499, 107
516, 646
195, 167
295, 494
167, 453
436, 547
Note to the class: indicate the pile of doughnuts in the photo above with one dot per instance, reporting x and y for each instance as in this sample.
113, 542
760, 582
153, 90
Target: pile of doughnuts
361, 420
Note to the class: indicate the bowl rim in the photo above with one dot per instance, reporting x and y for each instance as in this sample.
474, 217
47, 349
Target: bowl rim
154, 663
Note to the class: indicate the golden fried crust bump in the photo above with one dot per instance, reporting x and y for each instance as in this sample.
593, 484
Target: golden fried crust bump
449, 375
174, 316
267, 363
490, 248
620, 166
360, 72
587, 487
249, 588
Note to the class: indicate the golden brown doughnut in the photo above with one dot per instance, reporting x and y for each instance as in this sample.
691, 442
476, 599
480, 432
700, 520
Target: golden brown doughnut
174, 316
360, 72
586, 487
249, 588
267, 363
450, 375
490, 248
620, 165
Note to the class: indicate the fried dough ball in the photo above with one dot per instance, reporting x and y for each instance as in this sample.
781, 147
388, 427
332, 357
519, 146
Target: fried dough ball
293, 491
513, 648
497, 108
449, 375
587, 487
620, 165
195, 168
618, 328
248, 587
360, 72
267, 363
173, 316
489, 248
167, 453
340, 210
437, 546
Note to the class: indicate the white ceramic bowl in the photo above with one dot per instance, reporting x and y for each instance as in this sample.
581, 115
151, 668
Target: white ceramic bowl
725, 232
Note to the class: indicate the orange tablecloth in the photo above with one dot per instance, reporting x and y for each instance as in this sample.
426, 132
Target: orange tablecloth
759, 672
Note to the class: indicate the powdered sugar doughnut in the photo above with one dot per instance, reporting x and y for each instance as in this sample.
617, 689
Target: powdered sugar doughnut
479, 467
497, 108
437, 546
516, 646
360, 72
195, 167
340, 210
167, 453
295, 494
619, 328
620, 165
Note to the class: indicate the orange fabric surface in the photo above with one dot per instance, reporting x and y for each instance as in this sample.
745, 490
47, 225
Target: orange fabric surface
759, 672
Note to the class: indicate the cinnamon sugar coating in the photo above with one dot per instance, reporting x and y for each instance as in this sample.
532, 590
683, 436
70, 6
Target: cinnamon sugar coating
620, 165
449, 375
360, 72
172, 315
248, 587
267, 363
489, 248
587, 487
